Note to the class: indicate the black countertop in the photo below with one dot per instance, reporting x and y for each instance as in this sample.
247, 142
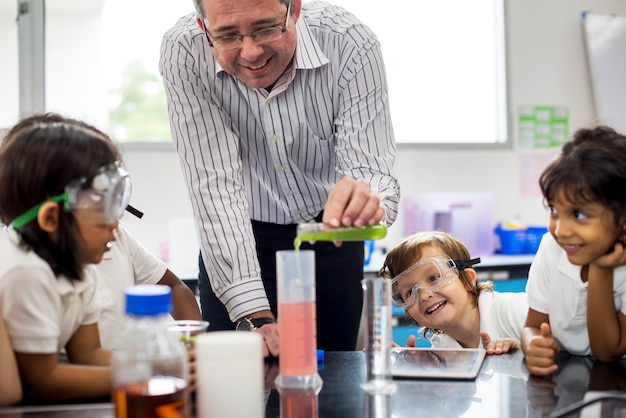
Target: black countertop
502, 389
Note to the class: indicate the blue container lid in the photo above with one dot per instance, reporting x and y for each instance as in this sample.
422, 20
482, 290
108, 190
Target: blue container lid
147, 300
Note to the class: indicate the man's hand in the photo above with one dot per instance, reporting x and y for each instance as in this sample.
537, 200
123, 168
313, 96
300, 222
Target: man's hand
270, 337
352, 203
541, 351
498, 346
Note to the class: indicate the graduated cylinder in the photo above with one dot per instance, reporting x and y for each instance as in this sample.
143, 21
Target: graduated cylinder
295, 279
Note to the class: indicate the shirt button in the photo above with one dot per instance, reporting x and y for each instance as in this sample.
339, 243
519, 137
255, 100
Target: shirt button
281, 168
274, 138
290, 192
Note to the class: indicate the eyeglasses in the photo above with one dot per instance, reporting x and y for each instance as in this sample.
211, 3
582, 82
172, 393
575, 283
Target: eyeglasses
102, 201
230, 42
430, 273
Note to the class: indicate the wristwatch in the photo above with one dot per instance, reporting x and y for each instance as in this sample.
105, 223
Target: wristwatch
250, 324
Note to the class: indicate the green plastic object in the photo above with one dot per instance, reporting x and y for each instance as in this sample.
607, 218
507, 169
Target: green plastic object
313, 232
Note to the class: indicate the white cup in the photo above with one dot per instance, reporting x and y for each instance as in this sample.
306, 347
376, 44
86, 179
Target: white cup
229, 373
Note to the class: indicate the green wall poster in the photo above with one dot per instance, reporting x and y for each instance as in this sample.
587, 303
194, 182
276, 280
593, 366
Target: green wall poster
543, 126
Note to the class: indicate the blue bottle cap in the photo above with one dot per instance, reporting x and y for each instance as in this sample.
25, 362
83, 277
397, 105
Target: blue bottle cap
148, 300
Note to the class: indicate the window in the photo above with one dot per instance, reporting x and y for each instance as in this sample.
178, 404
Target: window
9, 99
445, 64
102, 64
132, 33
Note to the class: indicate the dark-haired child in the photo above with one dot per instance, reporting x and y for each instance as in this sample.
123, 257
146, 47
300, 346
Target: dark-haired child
61, 195
577, 281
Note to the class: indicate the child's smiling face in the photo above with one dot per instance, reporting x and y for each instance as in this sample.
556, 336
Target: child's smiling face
585, 232
444, 308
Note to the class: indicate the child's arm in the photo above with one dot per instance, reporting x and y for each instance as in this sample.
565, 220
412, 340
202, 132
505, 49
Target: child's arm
88, 376
184, 302
46, 378
10, 386
84, 347
538, 344
605, 325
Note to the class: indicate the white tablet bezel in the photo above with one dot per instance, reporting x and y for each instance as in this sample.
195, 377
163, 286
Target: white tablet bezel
436, 363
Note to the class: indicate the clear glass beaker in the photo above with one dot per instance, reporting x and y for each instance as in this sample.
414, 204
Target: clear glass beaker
377, 336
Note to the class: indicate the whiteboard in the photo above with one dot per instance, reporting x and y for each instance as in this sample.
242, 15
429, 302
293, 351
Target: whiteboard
605, 38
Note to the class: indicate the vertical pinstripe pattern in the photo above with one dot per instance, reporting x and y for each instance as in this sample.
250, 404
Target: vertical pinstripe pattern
273, 157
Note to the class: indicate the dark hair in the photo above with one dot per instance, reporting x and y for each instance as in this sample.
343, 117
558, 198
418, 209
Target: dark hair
200, 7
38, 157
590, 168
409, 251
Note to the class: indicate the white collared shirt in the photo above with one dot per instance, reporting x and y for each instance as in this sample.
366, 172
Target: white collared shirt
42, 312
128, 263
556, 289
274, 157
502, 315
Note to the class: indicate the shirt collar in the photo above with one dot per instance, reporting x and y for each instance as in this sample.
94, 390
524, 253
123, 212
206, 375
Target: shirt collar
308, 52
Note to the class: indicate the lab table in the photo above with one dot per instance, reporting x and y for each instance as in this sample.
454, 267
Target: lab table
503, 389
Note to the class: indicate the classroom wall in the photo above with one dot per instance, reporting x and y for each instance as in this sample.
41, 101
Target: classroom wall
546, 66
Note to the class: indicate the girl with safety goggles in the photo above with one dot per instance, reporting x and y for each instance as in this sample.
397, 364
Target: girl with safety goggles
61, 194
433, 280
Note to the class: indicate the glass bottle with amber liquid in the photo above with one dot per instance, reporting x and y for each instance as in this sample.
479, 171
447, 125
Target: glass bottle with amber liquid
150, 369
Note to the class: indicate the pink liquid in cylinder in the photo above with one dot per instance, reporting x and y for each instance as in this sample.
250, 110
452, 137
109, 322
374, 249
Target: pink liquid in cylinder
296, 326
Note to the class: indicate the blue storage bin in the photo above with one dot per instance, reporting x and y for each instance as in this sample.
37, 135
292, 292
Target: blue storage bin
518, 241
510, 285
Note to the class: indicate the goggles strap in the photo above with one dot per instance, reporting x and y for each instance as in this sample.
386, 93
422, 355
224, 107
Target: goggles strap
463, 264
134, 211
31, 214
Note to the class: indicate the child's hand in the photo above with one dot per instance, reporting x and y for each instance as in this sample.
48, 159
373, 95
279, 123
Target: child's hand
615, 257
410, 341
541, 351
499, 346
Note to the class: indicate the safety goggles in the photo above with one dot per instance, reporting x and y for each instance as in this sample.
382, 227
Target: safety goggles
101, 201
430, 273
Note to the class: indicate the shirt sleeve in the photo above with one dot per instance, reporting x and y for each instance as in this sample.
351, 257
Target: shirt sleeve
538, 284
510, 311
366, 145
209, 154
619, 288
147, 268
31, 308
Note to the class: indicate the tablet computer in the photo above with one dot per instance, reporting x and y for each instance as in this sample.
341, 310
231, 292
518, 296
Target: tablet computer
436, 363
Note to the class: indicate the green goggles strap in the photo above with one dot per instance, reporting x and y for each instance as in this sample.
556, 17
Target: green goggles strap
31, 214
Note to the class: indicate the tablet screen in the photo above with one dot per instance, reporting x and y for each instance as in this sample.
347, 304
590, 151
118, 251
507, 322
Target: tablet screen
431, 363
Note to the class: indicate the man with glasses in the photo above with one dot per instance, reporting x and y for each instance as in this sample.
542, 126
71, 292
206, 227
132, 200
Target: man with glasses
279, 113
